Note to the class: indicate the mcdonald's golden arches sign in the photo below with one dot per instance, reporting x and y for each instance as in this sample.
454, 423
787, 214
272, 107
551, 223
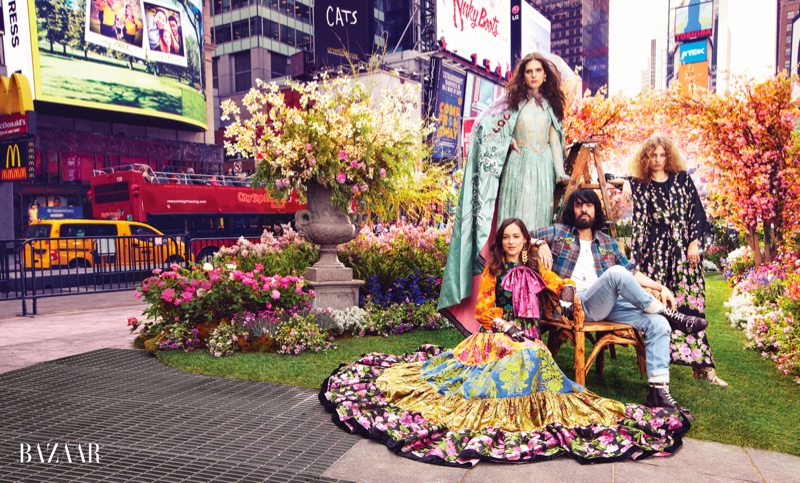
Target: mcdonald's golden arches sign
20, 160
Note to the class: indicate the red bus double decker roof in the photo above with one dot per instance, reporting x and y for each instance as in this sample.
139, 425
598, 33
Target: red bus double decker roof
128, 192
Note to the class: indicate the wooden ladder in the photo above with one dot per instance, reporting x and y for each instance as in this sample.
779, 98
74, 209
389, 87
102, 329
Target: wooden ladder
581, 155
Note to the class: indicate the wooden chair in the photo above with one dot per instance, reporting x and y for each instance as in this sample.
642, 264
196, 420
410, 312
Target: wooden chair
603, 335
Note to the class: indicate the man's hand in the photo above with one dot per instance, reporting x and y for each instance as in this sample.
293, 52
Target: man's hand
545, 256
667, 298
567, 301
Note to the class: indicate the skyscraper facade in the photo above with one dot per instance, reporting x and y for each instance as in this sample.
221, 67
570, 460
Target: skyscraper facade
788, 11
579, 35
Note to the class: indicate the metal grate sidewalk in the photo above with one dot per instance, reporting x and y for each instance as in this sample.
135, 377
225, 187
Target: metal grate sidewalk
154, 423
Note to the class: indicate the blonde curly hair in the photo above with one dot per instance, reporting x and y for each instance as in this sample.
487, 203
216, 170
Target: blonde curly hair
640, 164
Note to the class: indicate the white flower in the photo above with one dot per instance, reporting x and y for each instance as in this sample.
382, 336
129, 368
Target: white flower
207, 267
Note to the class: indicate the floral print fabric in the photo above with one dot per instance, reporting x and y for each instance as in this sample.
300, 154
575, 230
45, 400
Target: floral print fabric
362, 401
666, 217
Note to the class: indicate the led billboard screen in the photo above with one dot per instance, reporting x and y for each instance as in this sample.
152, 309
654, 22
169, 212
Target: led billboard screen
449, 107
694, 21
693, 52
480, 27
342, 32
537, 31
134, 56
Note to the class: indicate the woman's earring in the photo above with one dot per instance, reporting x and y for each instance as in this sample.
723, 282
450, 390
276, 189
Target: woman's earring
545, 79
524, 255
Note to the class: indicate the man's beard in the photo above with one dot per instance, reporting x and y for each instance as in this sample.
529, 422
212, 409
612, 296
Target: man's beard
584, 222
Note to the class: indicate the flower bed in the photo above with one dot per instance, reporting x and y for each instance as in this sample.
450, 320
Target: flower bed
251, 299
766, 305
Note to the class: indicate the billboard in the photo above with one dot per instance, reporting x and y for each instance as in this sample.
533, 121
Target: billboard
449, 106
537, 31
694, 21
134, 56
342, 32
479, 27
795, 61
479, 95
20, 160
689, 74
693, 52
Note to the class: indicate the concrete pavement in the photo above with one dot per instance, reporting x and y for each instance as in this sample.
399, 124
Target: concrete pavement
68, 359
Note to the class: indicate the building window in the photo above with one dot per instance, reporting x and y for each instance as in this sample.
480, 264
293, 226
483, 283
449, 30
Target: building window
215, 72
287, 7
239, 4
272, 4
788, 27
304, 41
303, 12
241, 29
221, 6
287, 35
241, 65
788, 39
255, 26
788, 52
222, 34
790, 14
271, 29
278, 64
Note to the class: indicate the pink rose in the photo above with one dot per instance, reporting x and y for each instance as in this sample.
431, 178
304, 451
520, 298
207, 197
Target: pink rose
341, 178
276, 295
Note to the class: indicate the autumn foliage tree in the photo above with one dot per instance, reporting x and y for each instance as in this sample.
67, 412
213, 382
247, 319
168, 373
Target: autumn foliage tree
751, 151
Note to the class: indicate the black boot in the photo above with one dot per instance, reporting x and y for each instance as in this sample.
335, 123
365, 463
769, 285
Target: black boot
659, 397
688, 324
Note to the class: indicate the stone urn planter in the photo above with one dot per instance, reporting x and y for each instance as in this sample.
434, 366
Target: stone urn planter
328, 227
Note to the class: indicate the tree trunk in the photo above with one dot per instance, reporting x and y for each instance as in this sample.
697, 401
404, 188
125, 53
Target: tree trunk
769, 248
752, 240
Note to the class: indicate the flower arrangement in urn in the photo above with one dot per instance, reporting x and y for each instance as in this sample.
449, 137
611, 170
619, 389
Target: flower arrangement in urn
341, 133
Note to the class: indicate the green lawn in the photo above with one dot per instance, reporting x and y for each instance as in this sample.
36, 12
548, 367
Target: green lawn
111, 81
759, 409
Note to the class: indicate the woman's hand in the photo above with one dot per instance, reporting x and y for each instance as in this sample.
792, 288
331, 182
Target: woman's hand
515, 146
515, 333
545, 256
627, 192
693, 253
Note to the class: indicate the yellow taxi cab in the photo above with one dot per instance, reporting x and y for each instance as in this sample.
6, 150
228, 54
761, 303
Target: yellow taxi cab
76, 243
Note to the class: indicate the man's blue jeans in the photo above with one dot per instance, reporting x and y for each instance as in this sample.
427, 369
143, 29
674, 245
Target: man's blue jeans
618, 297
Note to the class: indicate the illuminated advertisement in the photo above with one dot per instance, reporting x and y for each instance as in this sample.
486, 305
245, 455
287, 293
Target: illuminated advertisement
479, 95
693, 52
133, 56
693, 74
537, 31
795, 61
342, 33
694, 21
449, 106
479, 27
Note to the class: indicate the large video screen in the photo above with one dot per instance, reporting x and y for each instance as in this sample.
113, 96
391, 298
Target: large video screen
694, 21
480, 27
136, 56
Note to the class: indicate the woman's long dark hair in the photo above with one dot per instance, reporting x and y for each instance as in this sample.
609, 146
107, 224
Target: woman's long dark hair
496, 253
517, 90
584, 195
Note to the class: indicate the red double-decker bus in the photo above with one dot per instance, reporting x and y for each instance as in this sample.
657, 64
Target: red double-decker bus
201, 206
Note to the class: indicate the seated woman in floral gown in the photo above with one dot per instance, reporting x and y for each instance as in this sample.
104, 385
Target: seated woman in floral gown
499, 395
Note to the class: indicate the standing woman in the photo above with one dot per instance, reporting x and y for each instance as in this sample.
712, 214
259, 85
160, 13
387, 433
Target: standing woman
668, 224
515, 158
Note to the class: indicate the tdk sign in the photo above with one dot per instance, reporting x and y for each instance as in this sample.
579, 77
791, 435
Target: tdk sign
693, 52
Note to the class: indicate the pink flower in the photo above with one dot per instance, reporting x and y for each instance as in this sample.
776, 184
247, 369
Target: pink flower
382, 173
341, 177
312, 161
309, 147
276, 295
167, 295
342, 154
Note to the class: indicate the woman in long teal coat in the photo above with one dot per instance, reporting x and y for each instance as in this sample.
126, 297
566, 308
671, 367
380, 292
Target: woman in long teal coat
515, 158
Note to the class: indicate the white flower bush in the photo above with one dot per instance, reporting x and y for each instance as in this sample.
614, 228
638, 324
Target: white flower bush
742, 310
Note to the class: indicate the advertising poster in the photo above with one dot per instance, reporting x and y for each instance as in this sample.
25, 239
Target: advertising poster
480, 27
795, 61
537, 31
694, 21
693, 52
342, 32
449, 106
479, 95
131, 56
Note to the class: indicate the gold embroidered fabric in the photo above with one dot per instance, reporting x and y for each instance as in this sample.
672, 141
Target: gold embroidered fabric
403, 387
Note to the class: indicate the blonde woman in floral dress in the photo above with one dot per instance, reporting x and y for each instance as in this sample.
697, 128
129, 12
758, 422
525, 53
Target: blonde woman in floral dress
668, 226
499, 395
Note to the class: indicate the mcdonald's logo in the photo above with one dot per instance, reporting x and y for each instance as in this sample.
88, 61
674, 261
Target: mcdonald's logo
15, 94
13, 157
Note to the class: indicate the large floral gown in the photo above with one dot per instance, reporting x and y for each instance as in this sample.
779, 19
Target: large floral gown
491, 398
666, 217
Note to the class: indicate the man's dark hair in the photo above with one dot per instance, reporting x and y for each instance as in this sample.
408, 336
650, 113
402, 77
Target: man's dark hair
580, 196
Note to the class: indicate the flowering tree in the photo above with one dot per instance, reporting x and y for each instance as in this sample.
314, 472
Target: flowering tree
752, 153
337, 135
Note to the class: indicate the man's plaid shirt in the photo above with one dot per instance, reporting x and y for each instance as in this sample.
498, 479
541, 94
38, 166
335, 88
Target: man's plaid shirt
565, 245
